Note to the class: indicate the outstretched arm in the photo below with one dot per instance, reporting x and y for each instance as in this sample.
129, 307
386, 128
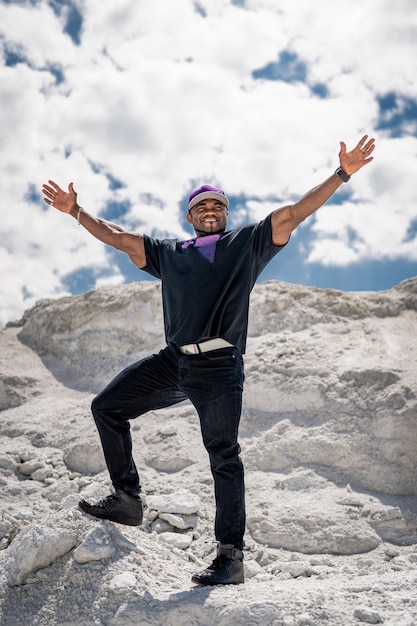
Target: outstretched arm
287, 218
66, 202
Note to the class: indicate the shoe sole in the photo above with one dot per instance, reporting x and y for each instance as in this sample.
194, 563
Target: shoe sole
127, 521
212, 583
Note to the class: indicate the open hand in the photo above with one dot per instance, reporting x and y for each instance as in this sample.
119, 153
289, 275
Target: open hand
352, 161
58, 198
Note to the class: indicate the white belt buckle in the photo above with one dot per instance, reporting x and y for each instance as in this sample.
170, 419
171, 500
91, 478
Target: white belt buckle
190, 348
206, 346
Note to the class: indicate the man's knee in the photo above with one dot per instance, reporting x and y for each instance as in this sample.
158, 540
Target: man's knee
223, 456
98, 405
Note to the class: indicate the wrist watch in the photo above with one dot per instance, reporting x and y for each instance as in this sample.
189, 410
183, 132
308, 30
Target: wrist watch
342, 174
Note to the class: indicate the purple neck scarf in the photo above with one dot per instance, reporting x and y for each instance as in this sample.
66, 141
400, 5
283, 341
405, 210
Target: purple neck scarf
205, 245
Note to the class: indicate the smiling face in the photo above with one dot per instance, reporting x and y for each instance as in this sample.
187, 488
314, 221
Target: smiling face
208, 217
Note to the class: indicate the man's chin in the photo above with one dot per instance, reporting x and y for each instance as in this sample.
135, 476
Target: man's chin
212, 229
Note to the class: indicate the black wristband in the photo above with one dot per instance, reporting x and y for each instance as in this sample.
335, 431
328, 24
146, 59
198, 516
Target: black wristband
342, 174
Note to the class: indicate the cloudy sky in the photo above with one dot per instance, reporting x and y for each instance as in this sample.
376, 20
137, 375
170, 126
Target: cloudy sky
137, 102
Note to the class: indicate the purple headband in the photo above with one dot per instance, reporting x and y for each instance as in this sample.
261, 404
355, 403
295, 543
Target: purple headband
203, 193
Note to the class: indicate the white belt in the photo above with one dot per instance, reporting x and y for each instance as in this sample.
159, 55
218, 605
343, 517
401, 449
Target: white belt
205, 346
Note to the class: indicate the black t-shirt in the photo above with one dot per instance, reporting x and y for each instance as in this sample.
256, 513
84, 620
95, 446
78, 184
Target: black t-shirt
206, 281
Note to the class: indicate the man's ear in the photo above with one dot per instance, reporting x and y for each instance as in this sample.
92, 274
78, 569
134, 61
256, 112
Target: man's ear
189, 218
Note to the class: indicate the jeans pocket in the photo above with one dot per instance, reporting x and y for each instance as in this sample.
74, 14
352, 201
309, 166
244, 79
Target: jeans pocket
227, 368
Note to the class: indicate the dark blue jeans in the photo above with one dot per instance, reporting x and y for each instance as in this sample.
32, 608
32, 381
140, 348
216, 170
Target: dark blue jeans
213, 382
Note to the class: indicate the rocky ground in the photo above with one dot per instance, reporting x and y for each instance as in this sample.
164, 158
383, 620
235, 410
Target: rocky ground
328, 439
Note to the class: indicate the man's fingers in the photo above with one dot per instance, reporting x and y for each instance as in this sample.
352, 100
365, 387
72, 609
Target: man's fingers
50, 191
367, 149
47, 191
366, 146
55, 187
361, 142
370, 145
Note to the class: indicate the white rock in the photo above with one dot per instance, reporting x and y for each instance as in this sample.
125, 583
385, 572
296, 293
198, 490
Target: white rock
122, 583
176, 540
403, 619
296, 568
4, 543
86, 458
122, 541
314, 534
94, 491
26, 515
150, 514
161, 526
28, 455
71, 501
168, 431
6, 523
367, 615
148, 596
6, 462
400, 563
60, 490
28, 467
350, 501
96, 546
251, 568
168, 462
180, 502
37, 546
302, 480
392, 551
182, 522
41, 474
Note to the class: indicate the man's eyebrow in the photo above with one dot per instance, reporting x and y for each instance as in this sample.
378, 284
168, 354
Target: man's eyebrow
207, 199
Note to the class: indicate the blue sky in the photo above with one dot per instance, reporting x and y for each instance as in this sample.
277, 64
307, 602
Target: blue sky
138, 102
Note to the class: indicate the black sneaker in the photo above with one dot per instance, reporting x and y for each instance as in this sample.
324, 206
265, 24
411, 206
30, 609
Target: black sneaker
226, 569
119, 507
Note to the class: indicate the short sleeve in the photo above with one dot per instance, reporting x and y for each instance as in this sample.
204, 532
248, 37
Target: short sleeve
152, 252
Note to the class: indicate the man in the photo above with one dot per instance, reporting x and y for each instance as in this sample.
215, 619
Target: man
206, 283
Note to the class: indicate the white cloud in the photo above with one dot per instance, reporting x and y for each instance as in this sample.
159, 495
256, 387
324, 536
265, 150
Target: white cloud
161, 97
